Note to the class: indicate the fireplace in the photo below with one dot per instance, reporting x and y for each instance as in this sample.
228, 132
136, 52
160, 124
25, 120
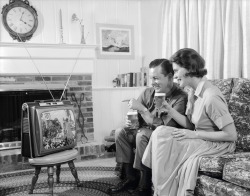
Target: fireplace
16, 89
55, 62
10, 113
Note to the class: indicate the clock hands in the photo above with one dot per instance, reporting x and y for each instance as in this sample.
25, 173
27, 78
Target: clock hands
23, 21
21, 16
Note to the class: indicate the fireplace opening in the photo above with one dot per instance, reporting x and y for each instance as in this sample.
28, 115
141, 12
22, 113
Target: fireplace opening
10, 113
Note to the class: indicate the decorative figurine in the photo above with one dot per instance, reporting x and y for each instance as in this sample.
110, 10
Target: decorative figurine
116, 82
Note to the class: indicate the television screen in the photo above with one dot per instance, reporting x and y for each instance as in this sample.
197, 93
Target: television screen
47, 127
58, 128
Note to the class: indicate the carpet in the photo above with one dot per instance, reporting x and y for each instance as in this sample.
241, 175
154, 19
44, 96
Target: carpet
95, 182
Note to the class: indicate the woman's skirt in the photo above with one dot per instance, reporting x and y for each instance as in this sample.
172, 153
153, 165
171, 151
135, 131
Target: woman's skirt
175, 163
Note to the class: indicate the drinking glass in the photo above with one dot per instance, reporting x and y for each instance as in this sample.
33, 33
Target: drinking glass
159, 99
133, 117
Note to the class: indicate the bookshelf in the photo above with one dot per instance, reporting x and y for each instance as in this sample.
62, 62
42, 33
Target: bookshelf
119, 88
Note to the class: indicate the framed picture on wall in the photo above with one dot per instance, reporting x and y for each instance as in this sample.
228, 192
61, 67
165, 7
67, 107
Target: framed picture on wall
115, 41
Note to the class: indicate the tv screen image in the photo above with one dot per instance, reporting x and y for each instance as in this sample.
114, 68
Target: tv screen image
58, 128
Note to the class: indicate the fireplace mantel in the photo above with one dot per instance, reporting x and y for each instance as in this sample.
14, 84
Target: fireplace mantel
32, 58
29, 87
43, 45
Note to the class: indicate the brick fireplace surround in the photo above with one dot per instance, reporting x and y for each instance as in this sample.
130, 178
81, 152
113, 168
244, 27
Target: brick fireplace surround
78, 84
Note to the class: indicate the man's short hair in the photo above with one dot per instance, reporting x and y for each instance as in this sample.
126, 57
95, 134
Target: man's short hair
166, 66
190, 60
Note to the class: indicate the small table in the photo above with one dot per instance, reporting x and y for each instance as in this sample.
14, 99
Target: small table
49, 161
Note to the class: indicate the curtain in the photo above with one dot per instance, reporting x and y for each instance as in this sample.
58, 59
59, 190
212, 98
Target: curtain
218, 29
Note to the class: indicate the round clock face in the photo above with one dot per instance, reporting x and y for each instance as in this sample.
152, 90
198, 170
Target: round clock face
20, 20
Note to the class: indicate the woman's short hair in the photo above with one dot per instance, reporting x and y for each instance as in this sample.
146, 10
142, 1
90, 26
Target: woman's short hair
166, 66
191, 60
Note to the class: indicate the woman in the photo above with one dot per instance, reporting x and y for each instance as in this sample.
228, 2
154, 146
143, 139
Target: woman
174, 154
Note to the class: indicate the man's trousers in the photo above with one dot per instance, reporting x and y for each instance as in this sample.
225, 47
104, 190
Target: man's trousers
131, 144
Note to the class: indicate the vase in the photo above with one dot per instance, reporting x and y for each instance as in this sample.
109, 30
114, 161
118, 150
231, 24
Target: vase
82, 35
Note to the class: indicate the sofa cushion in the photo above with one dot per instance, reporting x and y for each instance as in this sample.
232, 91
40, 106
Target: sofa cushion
237, 172
216, 164
216, 187
239, 107
225, 86
212, 164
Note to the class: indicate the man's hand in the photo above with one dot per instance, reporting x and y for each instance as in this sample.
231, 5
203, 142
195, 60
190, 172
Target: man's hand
129, 125
181, 134
165, 108
135, 105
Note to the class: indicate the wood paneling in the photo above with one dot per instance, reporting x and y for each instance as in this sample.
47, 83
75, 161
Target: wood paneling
109, 110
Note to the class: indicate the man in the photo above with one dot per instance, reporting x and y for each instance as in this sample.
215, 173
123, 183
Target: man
161, 73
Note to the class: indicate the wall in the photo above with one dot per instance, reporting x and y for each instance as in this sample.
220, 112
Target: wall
109, 110
151, 21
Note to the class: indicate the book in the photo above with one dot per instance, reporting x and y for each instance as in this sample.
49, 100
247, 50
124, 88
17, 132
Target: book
144, 72
129, 79
122, 79
138, 81
134, 77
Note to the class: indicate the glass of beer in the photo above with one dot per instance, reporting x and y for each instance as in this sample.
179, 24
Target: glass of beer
133, 117
159, 99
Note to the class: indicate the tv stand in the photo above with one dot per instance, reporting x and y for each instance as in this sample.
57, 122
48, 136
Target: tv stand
49, 161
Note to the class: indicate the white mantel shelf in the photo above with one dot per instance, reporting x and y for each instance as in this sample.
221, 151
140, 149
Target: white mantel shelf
28, 58
29, 87
44, 45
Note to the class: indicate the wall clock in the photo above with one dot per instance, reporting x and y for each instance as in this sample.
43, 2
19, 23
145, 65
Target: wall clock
19, 19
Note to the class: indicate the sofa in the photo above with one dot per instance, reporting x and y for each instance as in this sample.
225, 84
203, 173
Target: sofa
229, 175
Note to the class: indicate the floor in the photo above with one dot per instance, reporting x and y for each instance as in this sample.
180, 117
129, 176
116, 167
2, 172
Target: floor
107, 160
9, 157
19, 181
104, 162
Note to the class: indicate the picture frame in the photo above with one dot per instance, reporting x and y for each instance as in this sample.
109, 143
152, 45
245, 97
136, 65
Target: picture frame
115, 41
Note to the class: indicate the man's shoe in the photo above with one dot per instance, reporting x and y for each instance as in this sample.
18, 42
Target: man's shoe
145, 184
120, 171
123, 185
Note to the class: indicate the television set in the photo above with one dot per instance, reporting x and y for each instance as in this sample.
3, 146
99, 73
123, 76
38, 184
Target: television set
47, 127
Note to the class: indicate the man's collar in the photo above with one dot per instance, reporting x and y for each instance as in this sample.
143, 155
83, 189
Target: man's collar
169, 94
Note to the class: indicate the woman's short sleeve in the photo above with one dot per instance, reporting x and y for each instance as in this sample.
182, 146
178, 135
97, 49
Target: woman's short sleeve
217, 110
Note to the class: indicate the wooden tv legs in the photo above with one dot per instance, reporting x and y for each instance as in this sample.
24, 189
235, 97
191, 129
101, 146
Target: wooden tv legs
50, 161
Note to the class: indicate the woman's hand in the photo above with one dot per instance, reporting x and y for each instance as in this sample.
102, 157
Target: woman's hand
181, 134
135, 105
